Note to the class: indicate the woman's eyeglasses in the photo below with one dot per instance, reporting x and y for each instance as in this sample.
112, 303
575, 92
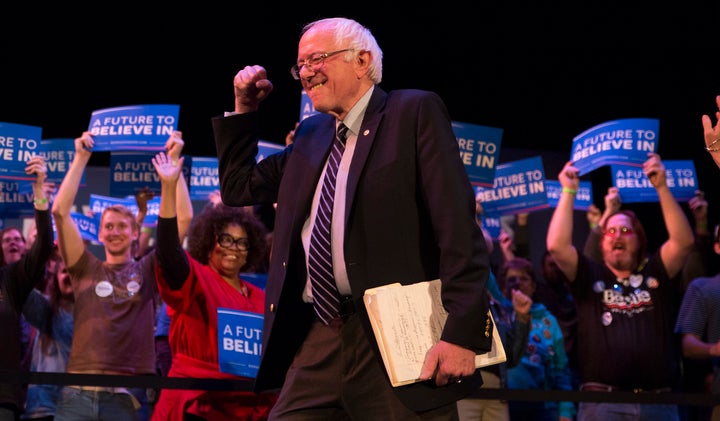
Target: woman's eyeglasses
227, 241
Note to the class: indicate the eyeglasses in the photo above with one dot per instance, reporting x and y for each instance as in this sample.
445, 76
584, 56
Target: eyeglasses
227, 241
8, 240
618, 232
315, 61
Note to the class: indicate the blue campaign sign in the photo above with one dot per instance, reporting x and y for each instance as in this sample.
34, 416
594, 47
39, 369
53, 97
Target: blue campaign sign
204, 178
131, 172
134, 128
479, 151
493, 226
583, 197
267, 148
634, 186
59, 154
519, 187
18, 143
16, 199
306, 107
257, 279
623, 142
89, 226
98, 203
239, 341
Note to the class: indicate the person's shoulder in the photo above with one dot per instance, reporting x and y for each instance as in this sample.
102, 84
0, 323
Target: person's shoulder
313, 124
704, 282
87, 257
317, 119
411, 93
404, 100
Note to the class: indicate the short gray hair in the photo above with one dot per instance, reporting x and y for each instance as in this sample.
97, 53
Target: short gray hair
351, 34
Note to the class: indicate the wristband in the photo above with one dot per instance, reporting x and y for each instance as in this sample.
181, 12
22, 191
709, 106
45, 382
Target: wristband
146, 230
42, 201
569, 190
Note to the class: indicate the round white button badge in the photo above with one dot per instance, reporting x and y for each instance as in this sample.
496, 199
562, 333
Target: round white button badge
133, 287
103, 289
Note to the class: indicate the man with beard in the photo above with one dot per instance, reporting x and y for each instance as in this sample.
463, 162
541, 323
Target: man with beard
627, 303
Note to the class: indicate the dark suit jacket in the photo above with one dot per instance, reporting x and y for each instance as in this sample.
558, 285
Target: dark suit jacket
410, 217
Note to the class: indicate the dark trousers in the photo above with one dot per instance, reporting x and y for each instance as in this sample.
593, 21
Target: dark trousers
335, 376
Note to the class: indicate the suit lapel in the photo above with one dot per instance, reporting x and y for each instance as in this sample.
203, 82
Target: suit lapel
314, 147
366, 138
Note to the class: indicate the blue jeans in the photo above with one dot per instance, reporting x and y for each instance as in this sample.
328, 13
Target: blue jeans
602, 411
78, 405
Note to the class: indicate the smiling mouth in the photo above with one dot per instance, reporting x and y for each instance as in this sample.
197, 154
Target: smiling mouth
316, 86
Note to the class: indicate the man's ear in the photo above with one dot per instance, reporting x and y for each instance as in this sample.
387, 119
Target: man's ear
362, 62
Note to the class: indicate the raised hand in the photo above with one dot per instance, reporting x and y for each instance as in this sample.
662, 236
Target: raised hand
712, 132
36, 165
168, 170
84, 145
655, 170
568, 176
612, 200
142, 198
251, 87
174, 146
699, 205
521, 303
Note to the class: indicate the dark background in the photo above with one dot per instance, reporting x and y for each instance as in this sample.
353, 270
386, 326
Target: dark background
542, 74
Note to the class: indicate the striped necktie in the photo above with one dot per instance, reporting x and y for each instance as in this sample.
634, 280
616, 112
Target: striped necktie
326, 297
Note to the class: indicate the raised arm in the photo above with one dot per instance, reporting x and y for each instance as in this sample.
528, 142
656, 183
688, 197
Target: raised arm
70, 241
680, 240
559, 236
171, 257
31, 267
183, 203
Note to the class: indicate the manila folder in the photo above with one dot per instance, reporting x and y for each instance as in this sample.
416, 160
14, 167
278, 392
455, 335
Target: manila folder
407, 321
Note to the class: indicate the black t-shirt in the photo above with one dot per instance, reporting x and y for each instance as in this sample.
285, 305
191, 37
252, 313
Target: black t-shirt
625, 326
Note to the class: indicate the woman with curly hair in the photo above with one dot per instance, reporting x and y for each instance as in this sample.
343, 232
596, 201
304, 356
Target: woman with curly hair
222, 242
